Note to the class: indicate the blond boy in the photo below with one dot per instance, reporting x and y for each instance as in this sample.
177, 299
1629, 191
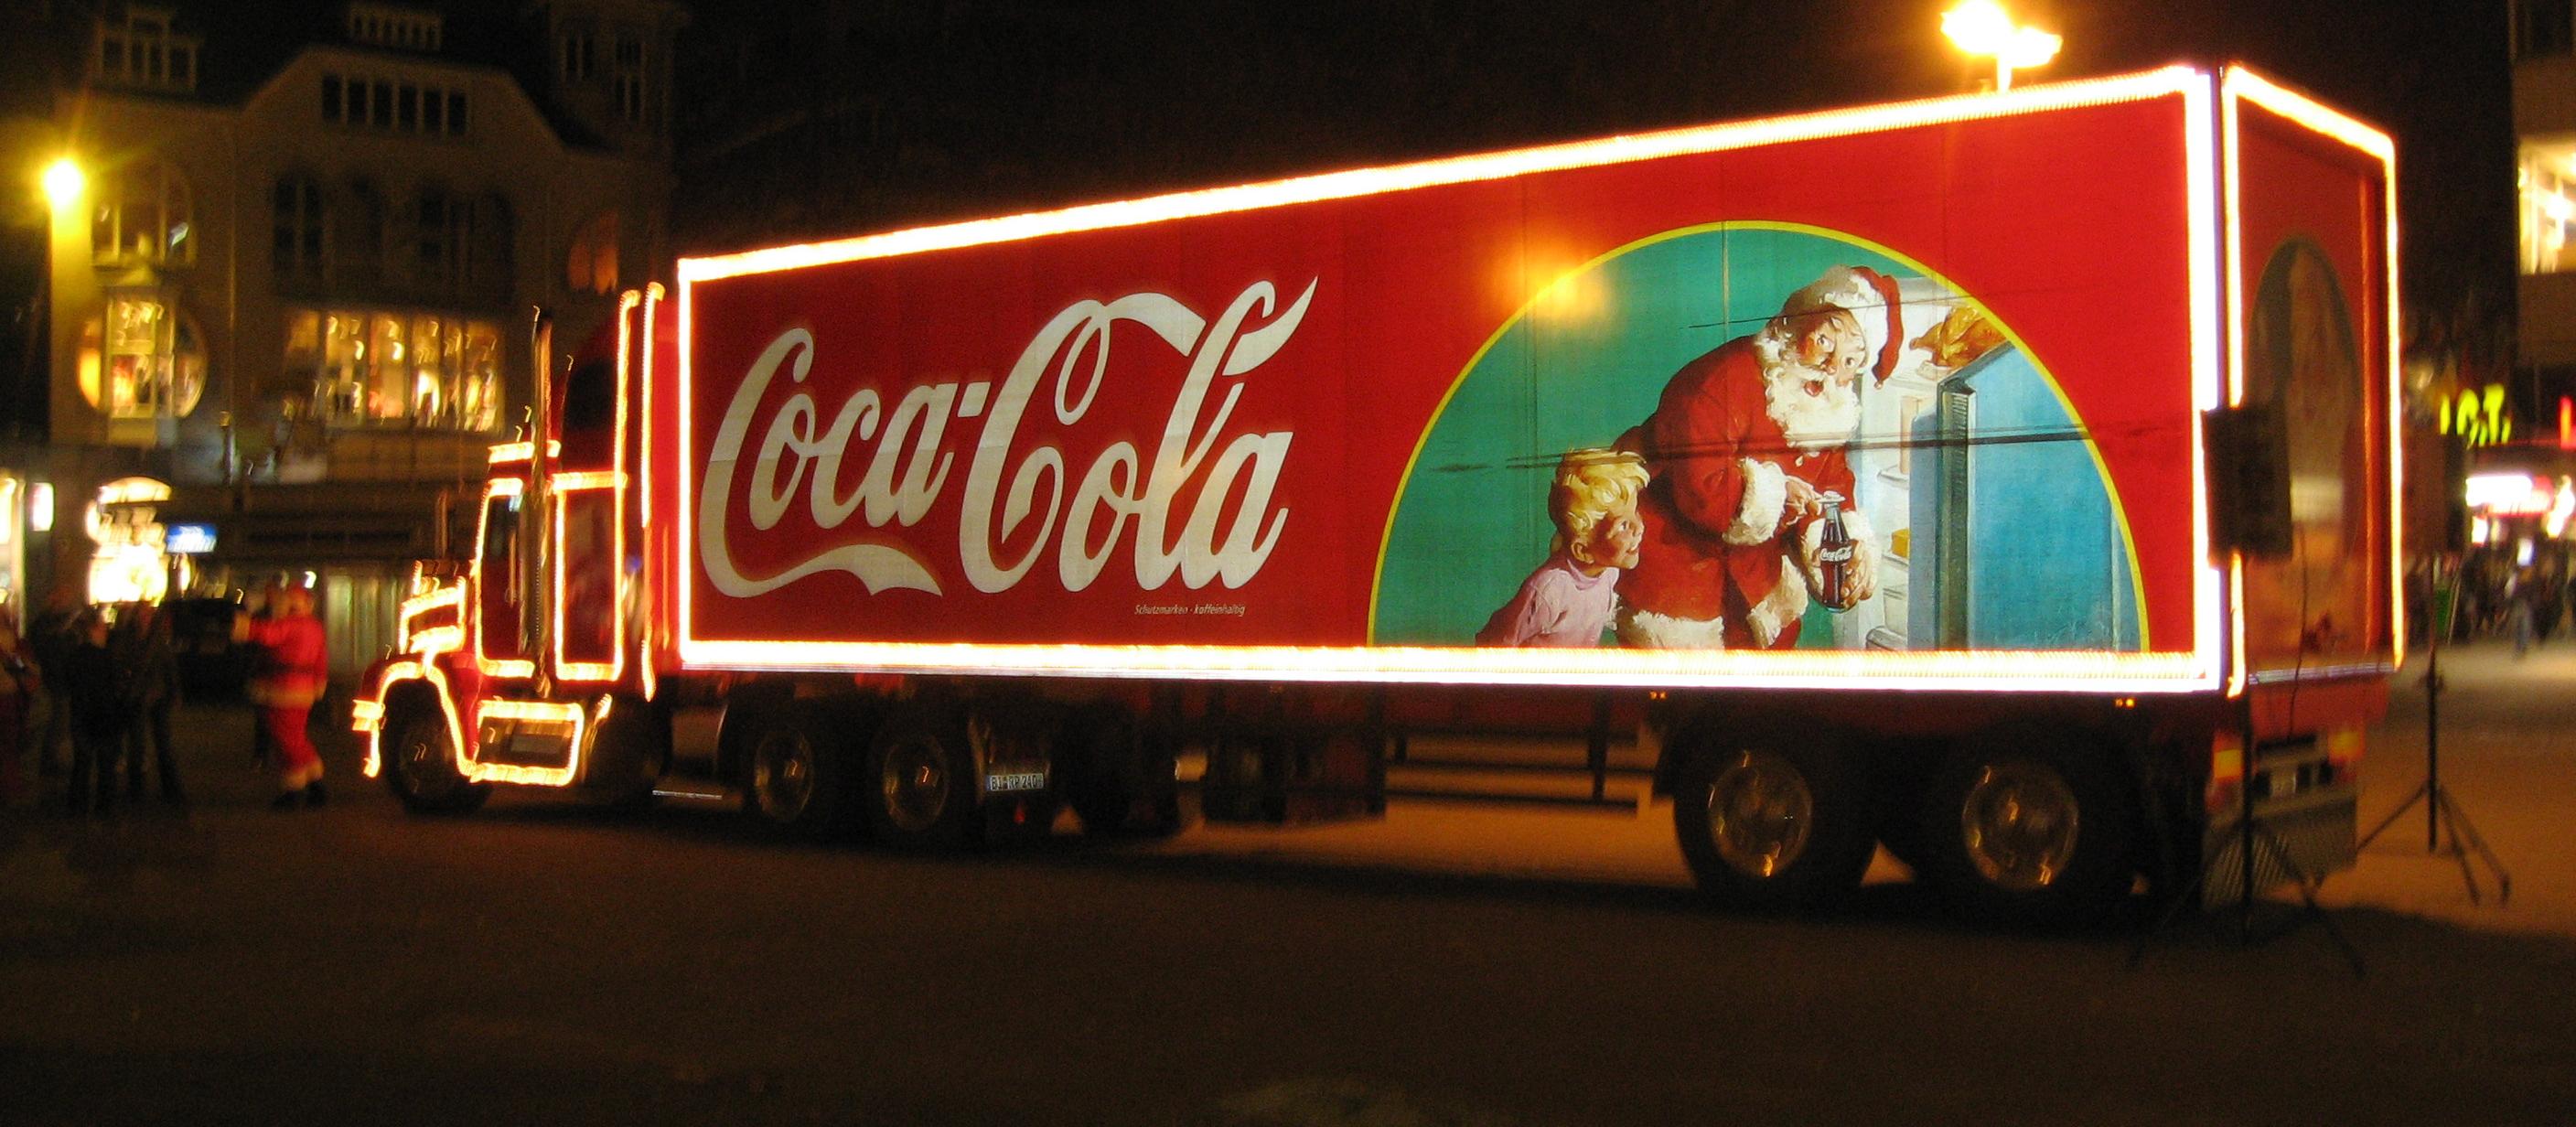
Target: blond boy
1568, 601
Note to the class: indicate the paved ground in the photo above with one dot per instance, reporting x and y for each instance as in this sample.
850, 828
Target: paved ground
546, 961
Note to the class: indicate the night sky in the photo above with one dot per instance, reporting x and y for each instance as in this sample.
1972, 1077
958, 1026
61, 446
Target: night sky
830, 118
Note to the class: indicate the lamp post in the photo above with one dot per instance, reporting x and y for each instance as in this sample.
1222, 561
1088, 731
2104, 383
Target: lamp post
1982, 27
64, 183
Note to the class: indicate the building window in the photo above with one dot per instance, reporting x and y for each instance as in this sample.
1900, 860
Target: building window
436, 247
591, 266
297, 229
141, 51
385, 367
143, 216
576, 57
2542, 28
2548, 182
396, 107
358, 236
384, 25
139, 360
630, 78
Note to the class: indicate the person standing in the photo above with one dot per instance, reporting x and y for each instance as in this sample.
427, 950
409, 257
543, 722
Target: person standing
147, 670
293, 670
17, 694
97, 716
51, 636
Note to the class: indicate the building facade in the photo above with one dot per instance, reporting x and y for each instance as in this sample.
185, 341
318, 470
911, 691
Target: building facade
291, 295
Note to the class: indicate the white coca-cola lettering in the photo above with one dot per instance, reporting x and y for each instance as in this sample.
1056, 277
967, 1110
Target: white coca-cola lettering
879, 566
908, 468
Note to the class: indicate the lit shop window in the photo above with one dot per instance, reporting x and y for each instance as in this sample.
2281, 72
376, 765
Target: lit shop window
144, 213
2548, 181
138, 360
381, 368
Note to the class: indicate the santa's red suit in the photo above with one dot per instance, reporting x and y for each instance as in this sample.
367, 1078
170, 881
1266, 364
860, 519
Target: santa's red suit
1718, 559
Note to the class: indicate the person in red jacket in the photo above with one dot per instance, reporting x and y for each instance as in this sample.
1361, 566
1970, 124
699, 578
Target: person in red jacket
293, 669
1744, 446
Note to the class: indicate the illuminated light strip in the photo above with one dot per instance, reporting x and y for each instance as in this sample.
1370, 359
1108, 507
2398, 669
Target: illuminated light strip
586, 479
652, 300
2239, 83
395, 674
436, 599
2209, 371
2322, 673
437, 640
1453, 170
615, 666
683, 505
648, 575
2193, 84
2236, 632
364, 716
532, 710
502, 667
521, 451
2016, 670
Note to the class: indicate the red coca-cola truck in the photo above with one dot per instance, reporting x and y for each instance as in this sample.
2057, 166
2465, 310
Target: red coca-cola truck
1220, 501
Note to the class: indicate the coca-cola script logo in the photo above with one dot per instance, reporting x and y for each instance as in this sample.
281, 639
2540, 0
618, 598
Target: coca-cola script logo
908, 460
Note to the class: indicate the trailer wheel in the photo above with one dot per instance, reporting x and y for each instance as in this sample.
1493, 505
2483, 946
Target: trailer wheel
2026, 828
920, 781
796, 773
1771, 821
420, 766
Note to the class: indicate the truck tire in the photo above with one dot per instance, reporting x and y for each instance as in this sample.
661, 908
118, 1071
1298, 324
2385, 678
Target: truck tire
796, 771
1116, 780
919, 785
2029, 828
420, 766
1770, 821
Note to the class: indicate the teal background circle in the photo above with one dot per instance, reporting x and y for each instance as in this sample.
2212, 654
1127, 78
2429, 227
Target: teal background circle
1574, 369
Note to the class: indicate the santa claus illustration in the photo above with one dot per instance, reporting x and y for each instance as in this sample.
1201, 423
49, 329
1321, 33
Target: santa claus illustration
1746, 451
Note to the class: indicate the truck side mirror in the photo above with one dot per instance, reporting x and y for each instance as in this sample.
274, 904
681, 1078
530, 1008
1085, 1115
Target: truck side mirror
2249, 479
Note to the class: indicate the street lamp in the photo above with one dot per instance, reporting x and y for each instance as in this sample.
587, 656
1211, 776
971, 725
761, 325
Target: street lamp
1982, 27
63, 183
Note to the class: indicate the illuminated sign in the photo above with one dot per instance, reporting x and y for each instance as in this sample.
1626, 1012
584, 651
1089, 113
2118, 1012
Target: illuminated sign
2478, 416
188, 538
1326, 453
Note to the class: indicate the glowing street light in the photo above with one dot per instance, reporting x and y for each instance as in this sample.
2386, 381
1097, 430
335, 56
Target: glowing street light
64, 182
1982, 27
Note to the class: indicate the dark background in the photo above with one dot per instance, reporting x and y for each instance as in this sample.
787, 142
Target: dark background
836, 118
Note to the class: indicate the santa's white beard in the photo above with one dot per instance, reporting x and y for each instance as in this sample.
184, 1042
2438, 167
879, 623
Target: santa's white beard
1812, 422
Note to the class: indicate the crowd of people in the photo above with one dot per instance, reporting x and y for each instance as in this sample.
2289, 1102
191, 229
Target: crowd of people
2492, 593
101, 682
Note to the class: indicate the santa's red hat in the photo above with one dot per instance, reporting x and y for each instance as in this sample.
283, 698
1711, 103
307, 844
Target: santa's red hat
1870, 297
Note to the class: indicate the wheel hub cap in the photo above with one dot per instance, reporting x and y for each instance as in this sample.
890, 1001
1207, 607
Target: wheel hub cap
1761, 812
2019, 824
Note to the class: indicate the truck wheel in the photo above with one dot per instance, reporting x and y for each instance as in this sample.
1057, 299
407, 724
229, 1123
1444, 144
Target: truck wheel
796, 777
1111, 776
2027, 829
1773, 821
420, 766
920, 782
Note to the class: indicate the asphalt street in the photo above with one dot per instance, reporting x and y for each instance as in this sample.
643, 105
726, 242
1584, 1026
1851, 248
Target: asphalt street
549, 961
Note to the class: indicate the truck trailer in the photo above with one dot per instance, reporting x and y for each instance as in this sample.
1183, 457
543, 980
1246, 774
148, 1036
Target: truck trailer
2006, 479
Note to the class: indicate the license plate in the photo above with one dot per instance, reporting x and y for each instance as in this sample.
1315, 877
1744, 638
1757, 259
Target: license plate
1014, 781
